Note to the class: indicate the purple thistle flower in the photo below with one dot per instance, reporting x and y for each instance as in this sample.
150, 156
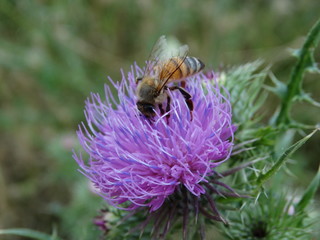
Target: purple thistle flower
137, 163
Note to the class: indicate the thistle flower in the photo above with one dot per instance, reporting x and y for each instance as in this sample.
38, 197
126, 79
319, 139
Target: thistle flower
269, 218
137, 163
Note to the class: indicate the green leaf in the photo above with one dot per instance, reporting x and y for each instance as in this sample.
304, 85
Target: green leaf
282, 159
28, 233
309, 193
279, 89
309, 99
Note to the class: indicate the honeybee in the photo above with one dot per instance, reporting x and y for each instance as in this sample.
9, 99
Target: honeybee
163, 67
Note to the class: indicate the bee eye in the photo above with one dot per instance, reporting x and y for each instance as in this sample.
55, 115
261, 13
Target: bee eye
146, 109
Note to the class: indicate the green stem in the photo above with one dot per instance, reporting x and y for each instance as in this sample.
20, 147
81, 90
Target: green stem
296, 77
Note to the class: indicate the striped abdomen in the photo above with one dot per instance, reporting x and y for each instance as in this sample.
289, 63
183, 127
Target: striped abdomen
188, 67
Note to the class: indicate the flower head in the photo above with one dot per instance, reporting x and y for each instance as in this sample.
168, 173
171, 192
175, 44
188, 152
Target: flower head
268, 217
134, 162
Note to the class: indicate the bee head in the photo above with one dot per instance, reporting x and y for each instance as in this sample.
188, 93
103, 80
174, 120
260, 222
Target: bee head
146, 109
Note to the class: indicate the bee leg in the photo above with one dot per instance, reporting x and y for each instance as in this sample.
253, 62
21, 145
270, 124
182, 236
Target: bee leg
161, 109
138, 79
183, 84
168, 108
187, 98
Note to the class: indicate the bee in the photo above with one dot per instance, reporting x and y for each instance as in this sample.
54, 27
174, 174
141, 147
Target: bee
163, 67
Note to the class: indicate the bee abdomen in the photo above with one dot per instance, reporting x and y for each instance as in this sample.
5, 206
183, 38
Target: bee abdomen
177, 69
194, 65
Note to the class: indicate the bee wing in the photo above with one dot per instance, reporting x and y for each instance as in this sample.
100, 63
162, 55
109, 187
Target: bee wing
157, 56
182, 53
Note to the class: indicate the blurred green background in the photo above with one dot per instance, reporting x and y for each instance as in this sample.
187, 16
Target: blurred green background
54, 53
